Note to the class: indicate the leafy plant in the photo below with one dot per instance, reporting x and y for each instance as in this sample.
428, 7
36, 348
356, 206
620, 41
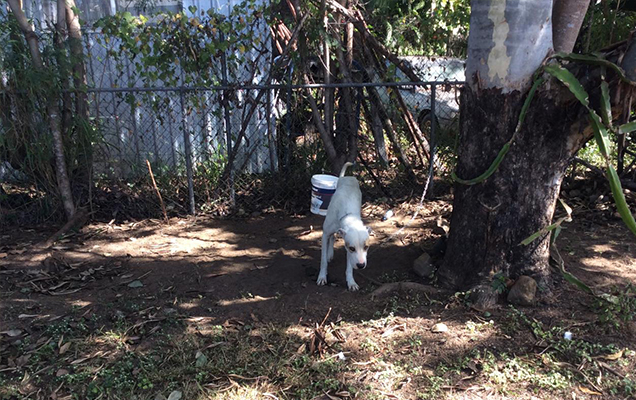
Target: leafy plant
614, 310
423, 26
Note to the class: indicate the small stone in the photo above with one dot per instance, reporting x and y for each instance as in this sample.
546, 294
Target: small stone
61, 372
273, 240
523, 291
423, 267
241, 212
439, 328
135, 284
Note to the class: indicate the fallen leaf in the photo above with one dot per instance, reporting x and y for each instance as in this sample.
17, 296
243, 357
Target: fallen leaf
440, 328
64, 292
135, 284
65, 347
22, 360
176, 395
614, 356
588, 391
23, 316
201, 360
12, 332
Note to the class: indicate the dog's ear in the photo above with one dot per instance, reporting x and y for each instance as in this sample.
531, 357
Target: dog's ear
370, 231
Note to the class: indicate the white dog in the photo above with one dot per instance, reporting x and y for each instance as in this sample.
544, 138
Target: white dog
343, 216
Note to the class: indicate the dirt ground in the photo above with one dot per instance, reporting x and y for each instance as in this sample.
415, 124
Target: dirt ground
260, 271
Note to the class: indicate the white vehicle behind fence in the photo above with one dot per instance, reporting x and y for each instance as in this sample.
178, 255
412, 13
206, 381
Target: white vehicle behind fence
418, 97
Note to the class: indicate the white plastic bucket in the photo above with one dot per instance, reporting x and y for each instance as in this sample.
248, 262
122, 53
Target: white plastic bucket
322, 188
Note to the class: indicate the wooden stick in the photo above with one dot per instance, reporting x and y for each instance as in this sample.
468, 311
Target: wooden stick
78, 220
163, 206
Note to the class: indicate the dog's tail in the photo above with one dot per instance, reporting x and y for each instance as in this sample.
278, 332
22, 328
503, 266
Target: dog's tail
344, 168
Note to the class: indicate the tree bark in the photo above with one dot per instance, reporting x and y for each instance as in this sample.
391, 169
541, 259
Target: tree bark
490, 219
567, 19
82, 112
507, 42
52, 111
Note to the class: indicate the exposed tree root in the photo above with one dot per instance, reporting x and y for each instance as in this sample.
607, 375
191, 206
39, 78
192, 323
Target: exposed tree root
389, 288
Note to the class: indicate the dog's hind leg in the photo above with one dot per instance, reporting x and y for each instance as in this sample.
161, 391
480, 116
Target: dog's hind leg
322, 276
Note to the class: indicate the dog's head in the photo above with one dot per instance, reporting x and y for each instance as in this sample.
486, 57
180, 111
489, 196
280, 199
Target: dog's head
357, 243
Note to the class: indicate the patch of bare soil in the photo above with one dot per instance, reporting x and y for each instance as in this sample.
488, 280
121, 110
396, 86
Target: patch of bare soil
196, 276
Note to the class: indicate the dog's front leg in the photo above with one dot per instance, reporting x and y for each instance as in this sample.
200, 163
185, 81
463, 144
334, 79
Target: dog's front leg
322, 276
351, 283
330, 244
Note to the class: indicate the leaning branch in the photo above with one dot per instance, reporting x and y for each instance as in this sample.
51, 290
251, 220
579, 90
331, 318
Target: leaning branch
277, 65
356, 18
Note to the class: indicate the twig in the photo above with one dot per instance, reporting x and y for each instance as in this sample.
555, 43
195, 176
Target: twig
594, 169
610, 369
154, 184
377, 181
77, 220
326, 316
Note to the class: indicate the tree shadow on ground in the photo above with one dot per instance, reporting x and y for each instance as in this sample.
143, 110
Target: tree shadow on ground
138, 303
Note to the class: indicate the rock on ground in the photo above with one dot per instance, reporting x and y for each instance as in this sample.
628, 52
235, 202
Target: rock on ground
423, 266
523, 291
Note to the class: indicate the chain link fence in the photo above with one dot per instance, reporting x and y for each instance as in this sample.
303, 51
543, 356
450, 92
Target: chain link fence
255, 139
269, 135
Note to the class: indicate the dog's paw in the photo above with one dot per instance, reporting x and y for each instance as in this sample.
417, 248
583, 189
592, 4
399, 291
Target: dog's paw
353, 286
322, 280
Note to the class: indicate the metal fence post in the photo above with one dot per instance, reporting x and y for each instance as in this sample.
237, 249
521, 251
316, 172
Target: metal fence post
431, 167
188, 151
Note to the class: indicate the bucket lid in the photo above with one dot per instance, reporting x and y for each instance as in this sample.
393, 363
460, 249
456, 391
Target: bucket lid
326, 181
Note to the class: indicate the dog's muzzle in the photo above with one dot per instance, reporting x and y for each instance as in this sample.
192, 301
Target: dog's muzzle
361, 265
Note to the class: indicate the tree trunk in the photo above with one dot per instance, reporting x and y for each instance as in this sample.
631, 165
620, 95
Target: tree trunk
507, 44
77, 59
490, 219
78, 67
52, 111
567, 19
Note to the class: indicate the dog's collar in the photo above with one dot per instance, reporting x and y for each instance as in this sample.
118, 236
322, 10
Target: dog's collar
344, 216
